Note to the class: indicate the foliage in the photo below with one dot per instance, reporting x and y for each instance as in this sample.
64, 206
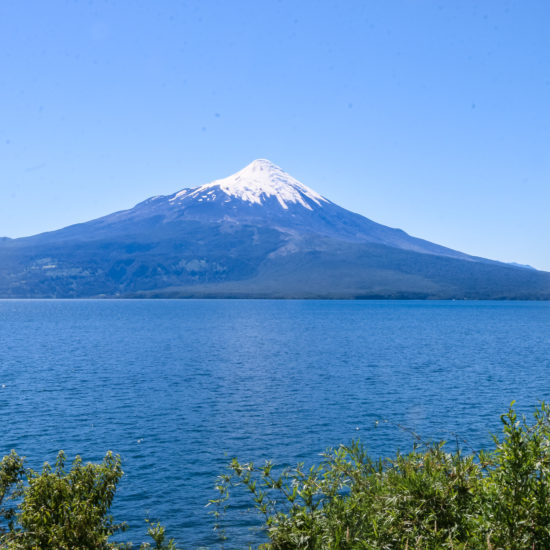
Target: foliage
61, 509
156, 532
427, 499
64, 510
11, 474
517, 489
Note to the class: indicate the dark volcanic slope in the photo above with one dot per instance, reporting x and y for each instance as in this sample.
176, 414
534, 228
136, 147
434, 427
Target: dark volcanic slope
258, 233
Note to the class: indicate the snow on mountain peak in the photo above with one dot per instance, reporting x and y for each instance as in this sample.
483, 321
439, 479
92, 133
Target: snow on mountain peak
259, 180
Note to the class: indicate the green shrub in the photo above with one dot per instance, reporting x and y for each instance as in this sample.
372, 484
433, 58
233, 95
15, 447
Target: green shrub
11, 475
60, 509
427, 499
515, 500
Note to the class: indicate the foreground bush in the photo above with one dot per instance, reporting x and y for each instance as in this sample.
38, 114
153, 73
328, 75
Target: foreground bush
60, 509
428, 499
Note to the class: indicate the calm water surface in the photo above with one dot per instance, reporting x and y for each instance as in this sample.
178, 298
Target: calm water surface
179, 387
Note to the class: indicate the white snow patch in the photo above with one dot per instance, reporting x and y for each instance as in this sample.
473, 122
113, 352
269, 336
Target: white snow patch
256, 182
180, 194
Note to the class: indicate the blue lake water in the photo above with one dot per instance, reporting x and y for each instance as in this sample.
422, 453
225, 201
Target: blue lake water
177, 388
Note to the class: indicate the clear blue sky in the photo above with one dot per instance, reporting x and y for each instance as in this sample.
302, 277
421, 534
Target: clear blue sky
431, 116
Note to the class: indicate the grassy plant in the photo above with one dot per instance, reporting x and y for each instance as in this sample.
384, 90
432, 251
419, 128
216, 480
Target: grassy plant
427, 499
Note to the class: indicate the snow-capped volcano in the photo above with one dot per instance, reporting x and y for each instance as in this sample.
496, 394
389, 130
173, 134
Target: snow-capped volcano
256, 183
262, 194
259, 195
257, 233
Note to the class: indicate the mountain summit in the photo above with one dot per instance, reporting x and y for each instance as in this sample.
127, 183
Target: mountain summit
258, 183
264, 195
257, 233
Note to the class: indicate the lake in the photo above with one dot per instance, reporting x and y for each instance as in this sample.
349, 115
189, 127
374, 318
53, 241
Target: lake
177, 388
